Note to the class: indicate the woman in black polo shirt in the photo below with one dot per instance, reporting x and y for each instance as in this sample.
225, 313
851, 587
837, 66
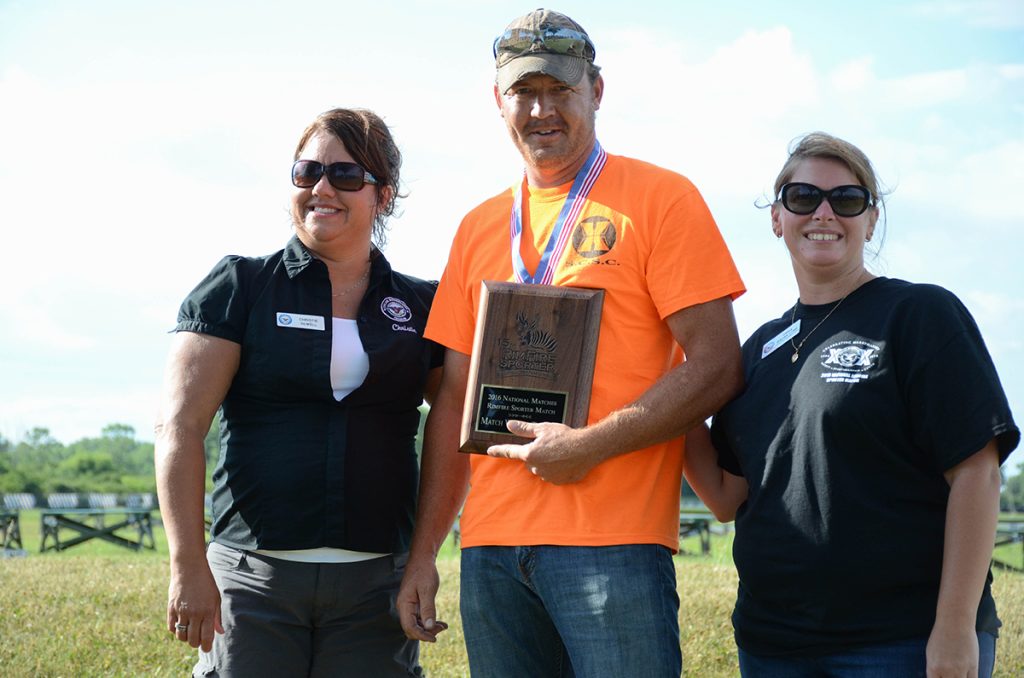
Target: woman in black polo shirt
317, 358
861, 463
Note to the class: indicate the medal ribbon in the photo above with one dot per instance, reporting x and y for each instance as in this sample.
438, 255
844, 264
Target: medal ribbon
559, 238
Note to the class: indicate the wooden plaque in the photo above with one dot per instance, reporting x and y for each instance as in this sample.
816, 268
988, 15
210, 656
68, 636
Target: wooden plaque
533, 360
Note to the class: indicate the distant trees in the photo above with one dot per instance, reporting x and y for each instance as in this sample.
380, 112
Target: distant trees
1012, 498
115, 462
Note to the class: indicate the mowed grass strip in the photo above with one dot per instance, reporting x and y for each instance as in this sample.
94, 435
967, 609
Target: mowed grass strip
71, 616
79, 614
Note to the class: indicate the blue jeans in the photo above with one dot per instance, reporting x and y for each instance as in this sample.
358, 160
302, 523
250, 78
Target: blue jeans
900, 659
579, 611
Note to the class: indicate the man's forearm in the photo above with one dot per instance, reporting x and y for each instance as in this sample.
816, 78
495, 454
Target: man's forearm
677, 402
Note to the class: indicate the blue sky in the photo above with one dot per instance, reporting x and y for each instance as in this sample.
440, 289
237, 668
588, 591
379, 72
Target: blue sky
141, 141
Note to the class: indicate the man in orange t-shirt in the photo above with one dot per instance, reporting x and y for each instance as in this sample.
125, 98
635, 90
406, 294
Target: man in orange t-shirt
567, 541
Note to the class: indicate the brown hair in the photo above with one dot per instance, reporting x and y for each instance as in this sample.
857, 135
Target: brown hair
370, 143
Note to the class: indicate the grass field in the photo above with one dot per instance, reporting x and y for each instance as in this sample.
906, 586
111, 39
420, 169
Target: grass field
97, 610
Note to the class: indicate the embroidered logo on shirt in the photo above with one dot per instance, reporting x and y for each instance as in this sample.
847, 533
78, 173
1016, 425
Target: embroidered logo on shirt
849, 362
396, 309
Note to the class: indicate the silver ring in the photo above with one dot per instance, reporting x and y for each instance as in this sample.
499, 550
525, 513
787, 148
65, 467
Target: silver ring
181, 627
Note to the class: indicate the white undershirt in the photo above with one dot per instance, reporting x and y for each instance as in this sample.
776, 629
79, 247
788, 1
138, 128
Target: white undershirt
349, 366
349, 362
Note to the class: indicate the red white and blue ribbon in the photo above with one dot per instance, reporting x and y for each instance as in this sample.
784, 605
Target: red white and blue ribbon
559, 238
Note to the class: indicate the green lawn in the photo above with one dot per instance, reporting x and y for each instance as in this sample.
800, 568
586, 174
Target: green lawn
97, 610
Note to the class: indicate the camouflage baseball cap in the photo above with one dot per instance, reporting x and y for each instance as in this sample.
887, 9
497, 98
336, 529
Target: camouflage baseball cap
542, 41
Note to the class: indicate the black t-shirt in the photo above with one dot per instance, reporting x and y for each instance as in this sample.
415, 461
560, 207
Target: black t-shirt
840, 540
297, 468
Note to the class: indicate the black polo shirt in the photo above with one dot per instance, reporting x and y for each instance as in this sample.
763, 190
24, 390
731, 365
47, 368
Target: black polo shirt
297, 468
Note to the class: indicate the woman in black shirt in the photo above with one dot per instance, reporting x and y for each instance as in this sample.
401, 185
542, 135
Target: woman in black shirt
315, 355
861, 463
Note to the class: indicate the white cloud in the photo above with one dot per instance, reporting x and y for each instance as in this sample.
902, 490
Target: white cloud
998, 14
923, 90
992, 308
717, 117
857, 77
853, 77
31, 322
1011, 71
981, 184
72, 416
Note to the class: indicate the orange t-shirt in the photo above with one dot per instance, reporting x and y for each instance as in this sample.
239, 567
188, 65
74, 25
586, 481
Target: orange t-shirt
647, 238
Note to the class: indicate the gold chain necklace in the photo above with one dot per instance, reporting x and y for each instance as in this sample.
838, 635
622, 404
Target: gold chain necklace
792, 319
353, 285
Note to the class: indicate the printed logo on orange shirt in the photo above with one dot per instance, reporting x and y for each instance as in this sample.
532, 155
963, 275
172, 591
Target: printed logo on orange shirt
594, 237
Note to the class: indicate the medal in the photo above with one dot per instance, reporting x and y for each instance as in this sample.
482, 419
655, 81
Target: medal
559, 238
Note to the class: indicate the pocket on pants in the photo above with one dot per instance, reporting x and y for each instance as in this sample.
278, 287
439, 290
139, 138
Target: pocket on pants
224, 558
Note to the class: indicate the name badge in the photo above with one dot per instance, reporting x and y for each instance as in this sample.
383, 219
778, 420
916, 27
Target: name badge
780, 339
300, 322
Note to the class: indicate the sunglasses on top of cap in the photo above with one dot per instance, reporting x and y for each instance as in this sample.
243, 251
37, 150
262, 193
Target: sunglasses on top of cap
846, 201
519, 41
344, 176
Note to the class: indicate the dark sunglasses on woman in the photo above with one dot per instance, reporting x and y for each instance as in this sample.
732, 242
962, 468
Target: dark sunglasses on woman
344, 176
846, 201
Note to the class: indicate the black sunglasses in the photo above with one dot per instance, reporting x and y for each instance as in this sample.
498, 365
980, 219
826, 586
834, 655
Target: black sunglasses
516, 42
846, 201
344, 176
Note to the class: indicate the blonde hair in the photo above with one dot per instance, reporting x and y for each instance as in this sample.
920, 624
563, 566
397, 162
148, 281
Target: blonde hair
824, 145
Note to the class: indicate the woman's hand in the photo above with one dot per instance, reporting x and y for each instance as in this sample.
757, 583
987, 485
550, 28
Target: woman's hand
193, 605
952, 652
721, 491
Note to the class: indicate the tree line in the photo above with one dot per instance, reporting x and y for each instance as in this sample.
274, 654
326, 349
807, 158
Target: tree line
118, 463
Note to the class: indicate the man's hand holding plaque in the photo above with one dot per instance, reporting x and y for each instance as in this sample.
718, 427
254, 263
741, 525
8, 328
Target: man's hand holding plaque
552, 452
533, 361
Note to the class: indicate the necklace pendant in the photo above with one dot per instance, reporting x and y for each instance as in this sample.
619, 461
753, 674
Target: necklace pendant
796, 354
